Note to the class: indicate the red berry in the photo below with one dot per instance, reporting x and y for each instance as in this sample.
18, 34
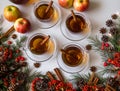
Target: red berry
107, 45
9, 42
105, 64
119, 72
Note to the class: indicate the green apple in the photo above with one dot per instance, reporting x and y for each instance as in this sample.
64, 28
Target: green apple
65, 3
11, 13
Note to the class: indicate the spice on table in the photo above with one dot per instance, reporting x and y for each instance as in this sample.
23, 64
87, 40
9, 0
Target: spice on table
88, 47
37, 65
14, 36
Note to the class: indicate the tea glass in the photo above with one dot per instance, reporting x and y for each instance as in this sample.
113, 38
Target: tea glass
54, 19
76, 36
50, 53
75, 68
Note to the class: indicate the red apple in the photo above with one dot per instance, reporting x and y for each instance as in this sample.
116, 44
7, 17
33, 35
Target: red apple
11, 13
22, 25
66, 3
81, 5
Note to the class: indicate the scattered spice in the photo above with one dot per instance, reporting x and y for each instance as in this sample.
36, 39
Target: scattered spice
37, 65
88, 47
93, 69
14, 36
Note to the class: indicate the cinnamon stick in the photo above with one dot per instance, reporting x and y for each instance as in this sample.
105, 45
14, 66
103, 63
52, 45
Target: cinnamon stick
111, 88
59, 74
45, 40
8, 32
49, 6
91, 78
49, 74
95, 80
66, 53
74, 17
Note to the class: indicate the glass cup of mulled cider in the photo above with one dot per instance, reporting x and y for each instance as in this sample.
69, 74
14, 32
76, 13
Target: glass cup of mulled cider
46, 13
77, 28
40, 47
73, 58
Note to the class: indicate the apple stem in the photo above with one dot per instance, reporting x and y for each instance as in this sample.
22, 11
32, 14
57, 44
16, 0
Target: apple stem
74, 17
68, 54
48, 8
45, 40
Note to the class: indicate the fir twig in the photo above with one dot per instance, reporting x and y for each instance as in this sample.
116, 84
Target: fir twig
19, 43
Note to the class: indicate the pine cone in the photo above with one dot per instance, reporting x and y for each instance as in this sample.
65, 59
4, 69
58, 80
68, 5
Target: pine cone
12, 87
114, 16
3, 68
81, 83
113, 31
41, 85
112, 82
109, 23
103, 30
105, 38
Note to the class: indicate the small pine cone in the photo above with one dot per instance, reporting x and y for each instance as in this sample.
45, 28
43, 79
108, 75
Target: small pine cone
109, 23
12, 87
105, 38
93, 69
114, 16
110, 49
81, 83
112, 82
103, 30
113, 31
3, 68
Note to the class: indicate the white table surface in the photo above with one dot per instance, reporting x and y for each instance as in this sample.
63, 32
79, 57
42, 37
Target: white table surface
98, 12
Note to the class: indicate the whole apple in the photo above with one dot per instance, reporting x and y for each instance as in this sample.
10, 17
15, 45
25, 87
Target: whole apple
22, 25
11, 13
66, 3
81, 5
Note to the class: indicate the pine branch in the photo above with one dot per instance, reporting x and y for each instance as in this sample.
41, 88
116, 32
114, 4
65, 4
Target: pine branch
19, 43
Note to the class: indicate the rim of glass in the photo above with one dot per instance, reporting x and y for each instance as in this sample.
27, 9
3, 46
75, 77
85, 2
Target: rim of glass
27, 50
56, 11
86, 55
69, 35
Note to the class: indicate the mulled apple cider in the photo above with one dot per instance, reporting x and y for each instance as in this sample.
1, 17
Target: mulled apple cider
37, 46
44, 12
75, 26
72, 55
